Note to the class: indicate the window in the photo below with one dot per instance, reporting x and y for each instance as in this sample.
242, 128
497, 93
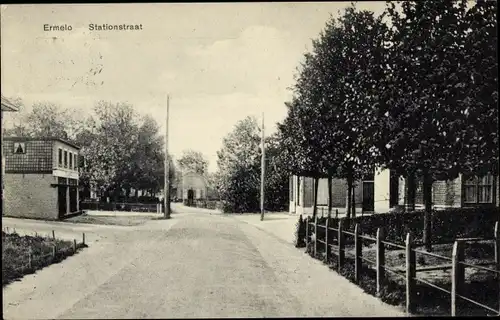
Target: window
70, 160
19, 147
478, 189
65, 158
75, 163
60, 157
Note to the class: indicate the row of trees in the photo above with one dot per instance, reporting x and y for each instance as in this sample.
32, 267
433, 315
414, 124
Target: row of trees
413, 90
239, 168
121, 150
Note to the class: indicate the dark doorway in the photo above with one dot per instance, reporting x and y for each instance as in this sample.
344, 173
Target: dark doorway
190, 197
394, 189
72, 199
368, 196
61, 200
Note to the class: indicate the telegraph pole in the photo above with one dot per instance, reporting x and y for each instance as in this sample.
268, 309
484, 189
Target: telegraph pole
262, 172
167, 166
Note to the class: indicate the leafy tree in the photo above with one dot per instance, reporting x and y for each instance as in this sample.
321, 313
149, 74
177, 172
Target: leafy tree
193, 161
427, 129
479, 84
46, 119
149, 157
332, 132
239, 168
276, 176
17, 120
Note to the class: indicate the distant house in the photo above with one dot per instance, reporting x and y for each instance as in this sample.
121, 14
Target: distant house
384, 190
41, 178
193, 186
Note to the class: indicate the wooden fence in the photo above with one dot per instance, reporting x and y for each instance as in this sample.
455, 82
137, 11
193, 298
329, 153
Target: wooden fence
121, 206
456, 262
31, 260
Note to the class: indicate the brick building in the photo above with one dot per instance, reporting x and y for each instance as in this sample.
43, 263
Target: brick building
384, 190
41, 178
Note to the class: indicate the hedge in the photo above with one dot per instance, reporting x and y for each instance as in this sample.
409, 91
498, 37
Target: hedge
447, 225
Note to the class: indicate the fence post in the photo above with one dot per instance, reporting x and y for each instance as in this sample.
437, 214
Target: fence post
74, 245
327, 241
380, 264
307, 232
53, 235
53, 252
457, 274
358, 253
336, 213
497, 257
83, 238
30, 257
497, 247
410, 275
341, 245
315, 235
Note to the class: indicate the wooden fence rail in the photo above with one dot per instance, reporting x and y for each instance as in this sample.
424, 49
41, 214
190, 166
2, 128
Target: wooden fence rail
456, 262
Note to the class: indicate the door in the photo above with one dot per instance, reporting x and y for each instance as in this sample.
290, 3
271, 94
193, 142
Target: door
368, 196
394, 190
190, 197
61, 200
72, 199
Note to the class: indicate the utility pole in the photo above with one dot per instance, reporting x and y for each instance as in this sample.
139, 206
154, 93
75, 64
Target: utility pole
262, 172
167, 166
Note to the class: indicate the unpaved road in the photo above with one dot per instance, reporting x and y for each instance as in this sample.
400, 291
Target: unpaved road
194, 265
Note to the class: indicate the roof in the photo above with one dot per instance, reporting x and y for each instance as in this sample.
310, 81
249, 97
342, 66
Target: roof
41, 139
7, 105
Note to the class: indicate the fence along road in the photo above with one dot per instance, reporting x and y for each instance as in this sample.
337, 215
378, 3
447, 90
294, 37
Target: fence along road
456, 262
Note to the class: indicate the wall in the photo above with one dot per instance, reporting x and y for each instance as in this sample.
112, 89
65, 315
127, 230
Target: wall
382, 190
497, 191
305, 192
30, 196
293, 194
445, 194
195, 181
61, 170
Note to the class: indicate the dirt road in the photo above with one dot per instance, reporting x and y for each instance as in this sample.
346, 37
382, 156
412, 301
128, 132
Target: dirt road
194, 265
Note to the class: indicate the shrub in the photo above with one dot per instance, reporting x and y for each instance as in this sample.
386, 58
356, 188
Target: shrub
300, 233
447, 225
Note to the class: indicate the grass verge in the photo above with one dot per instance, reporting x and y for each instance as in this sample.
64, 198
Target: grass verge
16, 250
126, 221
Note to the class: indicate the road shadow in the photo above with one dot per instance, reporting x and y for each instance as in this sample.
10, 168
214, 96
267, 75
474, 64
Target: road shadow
271, 218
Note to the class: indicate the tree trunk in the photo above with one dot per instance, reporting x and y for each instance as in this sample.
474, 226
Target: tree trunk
330, 198
315, 204
349, 197
427, 189
410, 190
353, 207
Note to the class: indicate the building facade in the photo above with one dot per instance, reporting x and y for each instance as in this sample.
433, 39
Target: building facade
41, 178
193, 187
383, 191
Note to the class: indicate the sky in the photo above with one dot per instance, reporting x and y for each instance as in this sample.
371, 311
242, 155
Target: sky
218, 62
